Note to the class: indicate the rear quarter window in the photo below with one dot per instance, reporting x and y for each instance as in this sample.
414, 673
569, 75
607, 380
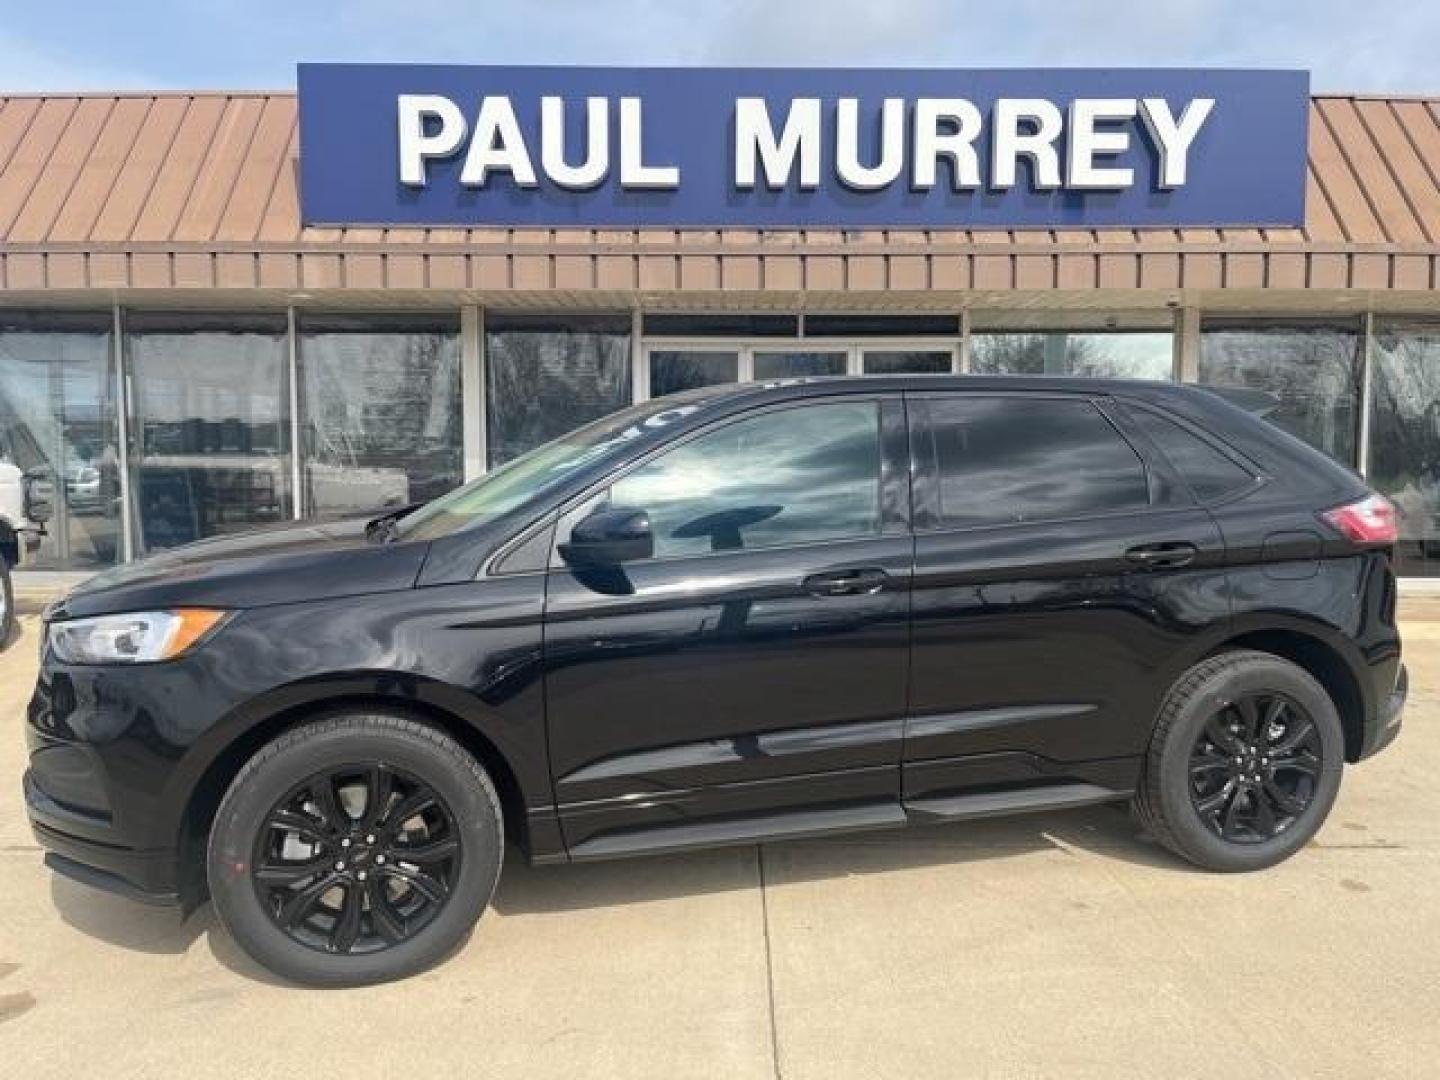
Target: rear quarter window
1210, 473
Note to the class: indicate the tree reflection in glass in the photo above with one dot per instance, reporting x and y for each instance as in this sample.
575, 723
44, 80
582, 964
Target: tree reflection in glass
1405, 439
789, 476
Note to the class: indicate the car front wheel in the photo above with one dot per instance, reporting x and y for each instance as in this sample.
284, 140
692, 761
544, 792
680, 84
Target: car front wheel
1244, 764
355, 849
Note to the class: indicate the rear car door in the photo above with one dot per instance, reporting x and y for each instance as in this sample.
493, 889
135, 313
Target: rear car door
750, 678
1059, 571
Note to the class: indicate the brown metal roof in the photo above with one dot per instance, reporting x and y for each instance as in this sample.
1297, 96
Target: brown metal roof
174, 191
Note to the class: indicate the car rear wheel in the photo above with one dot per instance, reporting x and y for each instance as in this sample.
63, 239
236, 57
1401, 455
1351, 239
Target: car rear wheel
1244, 764
355, 849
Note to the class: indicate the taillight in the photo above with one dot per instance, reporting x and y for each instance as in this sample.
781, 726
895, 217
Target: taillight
1371, 520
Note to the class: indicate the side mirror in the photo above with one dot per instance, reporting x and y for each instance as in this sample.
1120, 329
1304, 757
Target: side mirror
39, 495
609, 537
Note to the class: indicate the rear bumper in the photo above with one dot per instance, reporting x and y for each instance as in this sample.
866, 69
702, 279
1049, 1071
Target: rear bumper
147, 876
1389, 717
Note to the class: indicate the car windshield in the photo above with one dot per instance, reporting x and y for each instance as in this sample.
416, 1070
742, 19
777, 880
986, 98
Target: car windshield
544, 469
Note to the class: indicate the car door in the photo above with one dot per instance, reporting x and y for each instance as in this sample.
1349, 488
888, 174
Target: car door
750, 677
1059, 573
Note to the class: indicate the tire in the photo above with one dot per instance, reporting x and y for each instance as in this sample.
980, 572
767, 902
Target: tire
353, 754
7, 603
1181, 776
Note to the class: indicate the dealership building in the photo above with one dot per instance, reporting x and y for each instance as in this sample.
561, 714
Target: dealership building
224, 310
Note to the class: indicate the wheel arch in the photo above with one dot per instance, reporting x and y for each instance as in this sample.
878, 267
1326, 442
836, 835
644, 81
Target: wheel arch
205, 794
1324, 660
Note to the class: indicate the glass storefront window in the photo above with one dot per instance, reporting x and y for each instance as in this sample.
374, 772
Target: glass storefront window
59, 435
1313, 369
548, 373
1405, 439
210, 435
1119, 354
907, 362
673, 370
795, 365
380, 411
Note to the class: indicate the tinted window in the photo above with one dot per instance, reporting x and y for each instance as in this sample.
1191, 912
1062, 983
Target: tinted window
1209, 473
790, 476
1008, 460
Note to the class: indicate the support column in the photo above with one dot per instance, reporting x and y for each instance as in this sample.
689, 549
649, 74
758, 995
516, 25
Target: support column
122, 434
292, 360
472, 389
1187, 344
1367, 393
964, 358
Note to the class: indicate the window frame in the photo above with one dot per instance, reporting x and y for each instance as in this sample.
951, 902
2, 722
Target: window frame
892, 482
1258, 477
926, 513
853, 348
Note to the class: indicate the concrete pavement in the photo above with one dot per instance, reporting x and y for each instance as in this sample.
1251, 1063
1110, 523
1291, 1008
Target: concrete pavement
1060, 945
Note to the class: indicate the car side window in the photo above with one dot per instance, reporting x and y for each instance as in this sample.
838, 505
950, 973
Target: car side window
1007, 460
1209, 473
787, 476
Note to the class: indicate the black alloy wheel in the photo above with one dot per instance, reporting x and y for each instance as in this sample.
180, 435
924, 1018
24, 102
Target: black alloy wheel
1244, 762
356, 858
358, 847
1255, 767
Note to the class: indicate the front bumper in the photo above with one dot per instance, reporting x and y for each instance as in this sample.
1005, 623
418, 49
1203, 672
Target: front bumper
77, 846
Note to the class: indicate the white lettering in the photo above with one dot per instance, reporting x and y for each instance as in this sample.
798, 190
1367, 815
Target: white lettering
799, 138
847, 145
413, 113
590, 172
957, 145
1009, 143
1173, 138
1087, 142
497, 144
634, 173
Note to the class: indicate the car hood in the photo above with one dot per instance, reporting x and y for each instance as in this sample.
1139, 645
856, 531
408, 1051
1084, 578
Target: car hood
282, 565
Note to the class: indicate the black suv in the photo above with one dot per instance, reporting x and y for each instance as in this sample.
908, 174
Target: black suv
738, 614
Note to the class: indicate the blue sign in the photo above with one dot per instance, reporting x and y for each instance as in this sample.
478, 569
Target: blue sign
778, 148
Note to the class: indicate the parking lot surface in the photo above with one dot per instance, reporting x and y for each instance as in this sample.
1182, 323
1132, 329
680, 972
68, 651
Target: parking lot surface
1057, 945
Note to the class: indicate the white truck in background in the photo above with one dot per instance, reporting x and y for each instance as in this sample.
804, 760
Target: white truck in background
24, 507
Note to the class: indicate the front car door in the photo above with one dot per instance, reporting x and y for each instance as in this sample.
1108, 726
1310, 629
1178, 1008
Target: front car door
750, 678
1059, 572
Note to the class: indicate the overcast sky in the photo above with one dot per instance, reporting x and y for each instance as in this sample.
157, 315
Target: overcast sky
1361, 45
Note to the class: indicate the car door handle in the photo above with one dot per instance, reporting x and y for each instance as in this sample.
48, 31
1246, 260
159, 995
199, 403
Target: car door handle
1165, 554
858, 582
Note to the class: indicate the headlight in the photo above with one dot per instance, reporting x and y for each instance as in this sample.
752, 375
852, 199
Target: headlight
143, 637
